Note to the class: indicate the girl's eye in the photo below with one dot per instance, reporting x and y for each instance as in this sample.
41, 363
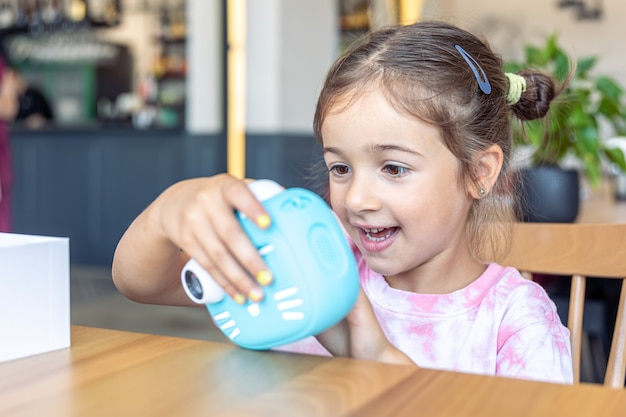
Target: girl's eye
395, 170
340, 169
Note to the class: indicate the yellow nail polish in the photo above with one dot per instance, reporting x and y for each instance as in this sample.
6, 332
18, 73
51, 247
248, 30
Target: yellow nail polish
255, 294
263, 221
264, 278
239, 298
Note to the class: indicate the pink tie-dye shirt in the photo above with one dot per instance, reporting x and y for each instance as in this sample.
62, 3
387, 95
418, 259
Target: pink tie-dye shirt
500, 324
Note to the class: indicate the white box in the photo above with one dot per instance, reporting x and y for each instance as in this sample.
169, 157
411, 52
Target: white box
34, 295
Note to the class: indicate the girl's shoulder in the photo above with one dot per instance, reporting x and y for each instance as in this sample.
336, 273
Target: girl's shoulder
509, 280
504, 287
522, 299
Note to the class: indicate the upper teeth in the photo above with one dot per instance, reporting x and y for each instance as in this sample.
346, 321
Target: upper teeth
370, 234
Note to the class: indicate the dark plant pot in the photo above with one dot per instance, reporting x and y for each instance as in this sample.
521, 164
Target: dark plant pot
549, 194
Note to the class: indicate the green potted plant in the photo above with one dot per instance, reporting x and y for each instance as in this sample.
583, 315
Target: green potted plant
576, 128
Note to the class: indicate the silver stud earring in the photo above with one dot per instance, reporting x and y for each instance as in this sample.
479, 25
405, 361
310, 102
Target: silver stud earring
482, 192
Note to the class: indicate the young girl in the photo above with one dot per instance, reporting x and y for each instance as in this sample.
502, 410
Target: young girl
414, 124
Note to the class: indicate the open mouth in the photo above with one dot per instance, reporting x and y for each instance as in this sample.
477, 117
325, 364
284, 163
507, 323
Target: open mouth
379, 234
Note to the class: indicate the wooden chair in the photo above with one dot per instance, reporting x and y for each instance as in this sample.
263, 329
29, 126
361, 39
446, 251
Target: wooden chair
579, 251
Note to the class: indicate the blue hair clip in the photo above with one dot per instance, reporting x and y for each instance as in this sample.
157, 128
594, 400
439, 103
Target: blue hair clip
480, 75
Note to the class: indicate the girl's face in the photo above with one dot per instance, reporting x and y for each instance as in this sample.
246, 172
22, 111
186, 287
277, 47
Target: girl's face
394, 185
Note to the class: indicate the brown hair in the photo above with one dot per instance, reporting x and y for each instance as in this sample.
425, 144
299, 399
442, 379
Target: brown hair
421, 72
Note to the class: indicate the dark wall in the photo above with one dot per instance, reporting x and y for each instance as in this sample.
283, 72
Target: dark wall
89, 185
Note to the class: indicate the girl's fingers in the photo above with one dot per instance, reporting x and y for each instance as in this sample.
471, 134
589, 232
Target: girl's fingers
228, 261
247, 254
220, 261
226, 251
239, 196
199, 216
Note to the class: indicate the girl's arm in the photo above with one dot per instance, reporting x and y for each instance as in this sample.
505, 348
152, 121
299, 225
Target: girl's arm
192, 218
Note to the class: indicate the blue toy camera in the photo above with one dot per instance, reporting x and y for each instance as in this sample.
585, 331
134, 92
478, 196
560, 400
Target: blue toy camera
316, 281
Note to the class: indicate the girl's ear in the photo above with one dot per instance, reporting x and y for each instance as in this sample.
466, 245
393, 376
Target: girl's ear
486, 171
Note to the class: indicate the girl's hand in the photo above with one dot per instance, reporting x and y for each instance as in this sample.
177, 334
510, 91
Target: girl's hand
360, 336
197, 217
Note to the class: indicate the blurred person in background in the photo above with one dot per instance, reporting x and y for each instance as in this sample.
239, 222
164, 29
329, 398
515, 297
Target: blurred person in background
34, 110
11, 86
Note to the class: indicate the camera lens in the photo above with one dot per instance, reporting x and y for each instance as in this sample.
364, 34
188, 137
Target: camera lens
193, 285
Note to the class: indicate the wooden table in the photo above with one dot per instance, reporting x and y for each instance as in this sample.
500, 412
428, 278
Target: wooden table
113, 373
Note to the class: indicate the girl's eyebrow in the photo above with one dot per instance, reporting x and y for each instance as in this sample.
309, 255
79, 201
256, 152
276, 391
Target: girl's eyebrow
392, 147
330, 149
376, 149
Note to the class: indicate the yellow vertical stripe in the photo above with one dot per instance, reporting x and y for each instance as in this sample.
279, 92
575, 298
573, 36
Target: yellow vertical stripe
409, 11
236, 89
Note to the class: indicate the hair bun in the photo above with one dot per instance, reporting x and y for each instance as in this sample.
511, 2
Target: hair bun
534, 102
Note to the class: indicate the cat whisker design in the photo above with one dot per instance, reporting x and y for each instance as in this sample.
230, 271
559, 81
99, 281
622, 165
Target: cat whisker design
286, 293
293, 315
284, 303
225, 322
289, 304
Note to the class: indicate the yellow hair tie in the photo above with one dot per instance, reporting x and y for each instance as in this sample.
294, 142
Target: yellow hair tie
517, 85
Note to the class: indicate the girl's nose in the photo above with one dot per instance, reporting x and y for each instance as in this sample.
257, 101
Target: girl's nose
362, 196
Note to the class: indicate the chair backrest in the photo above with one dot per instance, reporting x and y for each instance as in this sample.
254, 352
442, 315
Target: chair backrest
579, 251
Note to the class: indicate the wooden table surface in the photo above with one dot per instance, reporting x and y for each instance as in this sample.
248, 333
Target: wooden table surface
598, 205
114, 373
